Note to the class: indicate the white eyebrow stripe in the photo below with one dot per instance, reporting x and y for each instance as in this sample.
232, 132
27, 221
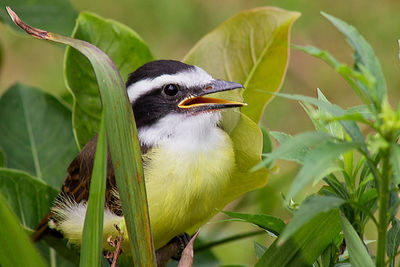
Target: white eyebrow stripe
190, 78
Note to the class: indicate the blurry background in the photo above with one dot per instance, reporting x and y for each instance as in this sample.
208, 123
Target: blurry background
172, 27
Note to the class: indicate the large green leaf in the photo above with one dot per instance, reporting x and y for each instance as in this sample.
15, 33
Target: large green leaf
121, 44
16, 248
55, 15
250, 48
29, 198
36, 133
359, 256
306, 245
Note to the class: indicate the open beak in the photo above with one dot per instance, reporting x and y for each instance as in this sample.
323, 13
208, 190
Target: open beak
197, 101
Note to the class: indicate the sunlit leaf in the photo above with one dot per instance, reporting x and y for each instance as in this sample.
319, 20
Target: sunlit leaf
358, 254
16, 249
269, 223
306, 245
121, 44
55, 15
364, 57
310, 208
250, 48
37, 135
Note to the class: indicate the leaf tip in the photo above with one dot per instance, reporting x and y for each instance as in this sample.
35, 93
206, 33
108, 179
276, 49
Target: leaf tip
30, 30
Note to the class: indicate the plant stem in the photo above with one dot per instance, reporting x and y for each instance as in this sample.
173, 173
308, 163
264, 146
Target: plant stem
384, 184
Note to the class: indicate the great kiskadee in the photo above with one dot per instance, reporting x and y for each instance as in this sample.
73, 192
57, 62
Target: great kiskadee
188, 159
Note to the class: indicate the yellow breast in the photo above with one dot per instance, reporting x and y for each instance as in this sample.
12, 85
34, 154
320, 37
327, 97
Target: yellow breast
185, 183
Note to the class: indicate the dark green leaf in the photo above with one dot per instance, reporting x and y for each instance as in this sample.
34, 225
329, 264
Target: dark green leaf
36, 134
255, 56
259, 249
121, 44
364, 56
393, 241
16, 249
317, 162
55, 15
309, 209
306, 245
2, 159
359, 256
269, 223
92, 245
29, 198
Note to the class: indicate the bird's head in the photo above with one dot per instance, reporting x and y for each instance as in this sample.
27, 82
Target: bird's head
167, 94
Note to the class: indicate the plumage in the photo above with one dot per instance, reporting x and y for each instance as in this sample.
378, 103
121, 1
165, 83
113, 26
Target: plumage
187, 157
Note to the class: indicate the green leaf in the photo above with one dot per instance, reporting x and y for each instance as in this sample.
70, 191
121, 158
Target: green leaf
92, 245
36, 134
316, 163
259, 249
359, 256
306, 245
256, 55
364, 56
29, 198
267, 143
126, 49
309, 209
393, 241
123, 142
2, 159
55, 15
17, 249
295, 148
269, 223
395, 161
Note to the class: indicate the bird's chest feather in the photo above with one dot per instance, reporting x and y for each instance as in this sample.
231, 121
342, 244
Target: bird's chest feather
185, 179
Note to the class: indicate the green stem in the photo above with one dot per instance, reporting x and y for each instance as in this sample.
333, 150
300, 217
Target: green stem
383, 208
228, 239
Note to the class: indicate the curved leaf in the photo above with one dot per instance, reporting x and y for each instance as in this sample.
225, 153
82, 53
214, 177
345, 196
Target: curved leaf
55, 15
126, 49
36, 133
250, 48
29, 198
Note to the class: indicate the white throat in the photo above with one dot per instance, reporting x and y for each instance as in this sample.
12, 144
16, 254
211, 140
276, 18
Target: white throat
182, 131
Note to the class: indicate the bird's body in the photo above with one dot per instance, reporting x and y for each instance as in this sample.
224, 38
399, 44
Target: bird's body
187, 158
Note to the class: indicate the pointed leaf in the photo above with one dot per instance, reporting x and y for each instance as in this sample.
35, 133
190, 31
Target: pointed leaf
269, 223
310, 208
36, 134
55, 15
363, 55
306, 245
359, 256
125, 48
16, 249
316, 163
92, 245
29, 198
250, 48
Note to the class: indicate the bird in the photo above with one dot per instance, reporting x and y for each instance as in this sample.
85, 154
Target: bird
188, 159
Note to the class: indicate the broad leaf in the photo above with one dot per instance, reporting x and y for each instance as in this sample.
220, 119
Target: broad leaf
121, 44
269, 223
306, 245
316, 164
250, 48
16, 249
364, 57
393, 241
36, 134
359, 256
310, 208
55, 15
29, 198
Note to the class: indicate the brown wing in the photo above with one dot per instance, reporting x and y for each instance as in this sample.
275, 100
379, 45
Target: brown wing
77, 183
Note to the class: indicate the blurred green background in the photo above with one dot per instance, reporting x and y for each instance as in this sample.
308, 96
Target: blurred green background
172, 27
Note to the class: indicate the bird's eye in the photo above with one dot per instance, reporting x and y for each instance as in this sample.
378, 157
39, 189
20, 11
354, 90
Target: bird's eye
171, 89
